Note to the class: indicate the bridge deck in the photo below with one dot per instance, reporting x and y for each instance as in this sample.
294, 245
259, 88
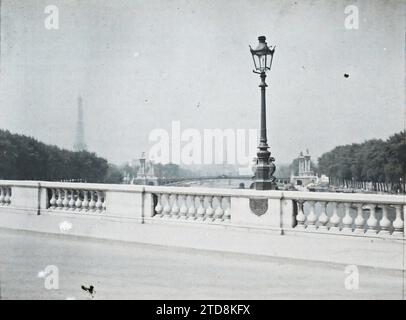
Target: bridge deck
126, 270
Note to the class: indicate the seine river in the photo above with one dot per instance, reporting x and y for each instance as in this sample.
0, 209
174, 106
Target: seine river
218, 183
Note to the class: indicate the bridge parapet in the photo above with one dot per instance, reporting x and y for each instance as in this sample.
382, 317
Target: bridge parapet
123, 212
355, 214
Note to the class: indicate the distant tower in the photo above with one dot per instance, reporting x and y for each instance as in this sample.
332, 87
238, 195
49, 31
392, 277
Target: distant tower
80, 131
308, 169
305, 176
302, 164
141, 172
305, 164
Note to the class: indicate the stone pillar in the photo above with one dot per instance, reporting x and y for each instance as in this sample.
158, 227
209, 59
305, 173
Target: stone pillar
126, 203
28, 197
242, 212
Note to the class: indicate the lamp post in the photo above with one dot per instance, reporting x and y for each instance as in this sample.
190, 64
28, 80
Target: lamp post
264, 179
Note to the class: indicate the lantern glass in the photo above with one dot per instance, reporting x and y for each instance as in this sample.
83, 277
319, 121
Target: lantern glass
255, 58
262, 56
262, 62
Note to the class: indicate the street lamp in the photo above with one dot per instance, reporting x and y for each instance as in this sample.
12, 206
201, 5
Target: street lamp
264, 179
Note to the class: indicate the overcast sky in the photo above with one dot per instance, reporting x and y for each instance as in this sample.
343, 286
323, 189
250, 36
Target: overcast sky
140, 65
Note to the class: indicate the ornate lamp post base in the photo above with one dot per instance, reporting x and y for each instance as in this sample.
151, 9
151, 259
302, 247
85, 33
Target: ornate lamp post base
264, 179
264, 184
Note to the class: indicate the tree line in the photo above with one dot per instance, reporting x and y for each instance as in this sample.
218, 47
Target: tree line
380, 162
25, 158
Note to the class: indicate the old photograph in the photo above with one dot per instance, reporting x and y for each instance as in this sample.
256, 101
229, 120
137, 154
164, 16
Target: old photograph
202, 150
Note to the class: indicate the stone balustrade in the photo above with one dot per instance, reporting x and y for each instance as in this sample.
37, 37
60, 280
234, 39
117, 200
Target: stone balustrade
192, 207
362, 229
77, 200
364, 215
355, 214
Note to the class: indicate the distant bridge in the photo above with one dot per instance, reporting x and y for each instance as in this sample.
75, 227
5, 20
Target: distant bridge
173, 181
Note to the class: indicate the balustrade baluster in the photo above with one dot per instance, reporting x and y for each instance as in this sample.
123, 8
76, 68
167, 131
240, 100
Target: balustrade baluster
85, 202
175, 206
183, 207
334, 220
219, 212
300, 217
384, 223
104, 202
311, 218
78, 203
72, 200
192, 208
52, 201
398, 224
200, 210
372, 222
158, 207
167, 207
347, 220
92, 203
99, 203
7, 198
359, 220
65, 202
227, 210
209, 209
2, 196
59, 200
323, 218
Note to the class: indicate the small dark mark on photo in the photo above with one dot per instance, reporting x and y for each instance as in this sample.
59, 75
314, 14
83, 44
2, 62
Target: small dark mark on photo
90, 289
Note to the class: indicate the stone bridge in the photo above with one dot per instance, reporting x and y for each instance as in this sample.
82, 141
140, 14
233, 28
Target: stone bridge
329, 231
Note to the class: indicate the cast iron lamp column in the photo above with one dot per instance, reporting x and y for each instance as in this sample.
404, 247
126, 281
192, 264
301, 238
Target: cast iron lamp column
264, 179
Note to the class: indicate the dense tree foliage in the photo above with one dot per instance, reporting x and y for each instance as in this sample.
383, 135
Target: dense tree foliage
24, 158
373, 160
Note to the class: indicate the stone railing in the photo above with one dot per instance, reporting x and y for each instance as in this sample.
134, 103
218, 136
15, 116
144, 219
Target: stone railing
351, 214
76, 199
188, 205
281, 211
331, 227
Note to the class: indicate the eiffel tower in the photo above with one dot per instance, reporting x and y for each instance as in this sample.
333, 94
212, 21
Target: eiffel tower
80, 144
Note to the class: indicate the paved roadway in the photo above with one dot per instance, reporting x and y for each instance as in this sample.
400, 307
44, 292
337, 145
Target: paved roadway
121, 270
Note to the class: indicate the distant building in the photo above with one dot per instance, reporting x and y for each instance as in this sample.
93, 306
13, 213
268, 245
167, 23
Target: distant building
305, 176
145, 174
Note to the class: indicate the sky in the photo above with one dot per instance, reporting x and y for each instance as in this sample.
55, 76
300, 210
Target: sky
140, 65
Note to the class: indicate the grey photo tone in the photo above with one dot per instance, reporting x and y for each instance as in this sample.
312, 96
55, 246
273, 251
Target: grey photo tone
141, 64
189, 149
